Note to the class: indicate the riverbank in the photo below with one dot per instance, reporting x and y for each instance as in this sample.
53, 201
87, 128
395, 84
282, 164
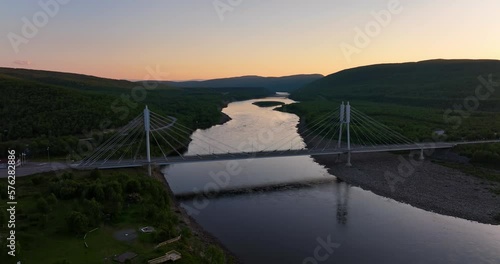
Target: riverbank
223, 119
191, 223
422, 184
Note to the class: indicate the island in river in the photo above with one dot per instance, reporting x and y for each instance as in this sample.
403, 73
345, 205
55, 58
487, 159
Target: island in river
268, 103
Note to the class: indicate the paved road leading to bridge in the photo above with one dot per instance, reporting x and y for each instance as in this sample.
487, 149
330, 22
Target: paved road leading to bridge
35, 167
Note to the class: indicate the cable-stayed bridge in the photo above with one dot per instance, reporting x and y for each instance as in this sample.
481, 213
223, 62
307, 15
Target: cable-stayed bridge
343, 131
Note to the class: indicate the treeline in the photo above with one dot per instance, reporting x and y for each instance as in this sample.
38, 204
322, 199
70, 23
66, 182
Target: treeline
40, 110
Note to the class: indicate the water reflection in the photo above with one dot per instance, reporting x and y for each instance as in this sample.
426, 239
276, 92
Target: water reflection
342, 191
283, 226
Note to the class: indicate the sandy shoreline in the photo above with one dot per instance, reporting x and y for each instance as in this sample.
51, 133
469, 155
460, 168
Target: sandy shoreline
422, 184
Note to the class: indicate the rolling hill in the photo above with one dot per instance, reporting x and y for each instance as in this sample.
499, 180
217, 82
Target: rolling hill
275, 84
43, 108
415, 98
433, 83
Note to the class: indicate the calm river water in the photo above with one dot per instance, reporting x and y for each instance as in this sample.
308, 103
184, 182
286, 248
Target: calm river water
292, 225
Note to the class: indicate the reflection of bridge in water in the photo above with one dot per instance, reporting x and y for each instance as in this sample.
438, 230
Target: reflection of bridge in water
343, 131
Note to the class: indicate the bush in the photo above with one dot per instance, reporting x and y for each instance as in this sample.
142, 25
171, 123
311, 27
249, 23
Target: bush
42, 206
67, 176
95, 174
484, 156
77, 222
497, 217
52, 199
133, 186
95, 191
36, 180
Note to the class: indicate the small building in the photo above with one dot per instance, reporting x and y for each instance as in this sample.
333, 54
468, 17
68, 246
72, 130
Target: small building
439, 132
171, 255
124, 257
147, 229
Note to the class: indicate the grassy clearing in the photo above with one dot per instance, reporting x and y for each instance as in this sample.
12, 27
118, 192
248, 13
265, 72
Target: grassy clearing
110, 200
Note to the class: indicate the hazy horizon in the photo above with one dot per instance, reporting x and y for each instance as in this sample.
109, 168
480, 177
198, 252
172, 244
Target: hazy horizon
201, 40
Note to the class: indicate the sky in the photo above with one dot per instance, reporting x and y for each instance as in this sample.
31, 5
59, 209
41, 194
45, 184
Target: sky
206, 39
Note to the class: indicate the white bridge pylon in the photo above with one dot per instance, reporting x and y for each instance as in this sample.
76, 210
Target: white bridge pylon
345, 118
344, 130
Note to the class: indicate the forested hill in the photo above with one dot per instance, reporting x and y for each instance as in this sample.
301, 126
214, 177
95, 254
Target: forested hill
53, 109
275, 84
434, 83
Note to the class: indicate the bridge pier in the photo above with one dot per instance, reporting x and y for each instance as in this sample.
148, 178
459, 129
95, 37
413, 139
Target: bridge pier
422, 154
348, 164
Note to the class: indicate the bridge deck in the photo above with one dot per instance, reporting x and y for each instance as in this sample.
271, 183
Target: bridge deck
277, 153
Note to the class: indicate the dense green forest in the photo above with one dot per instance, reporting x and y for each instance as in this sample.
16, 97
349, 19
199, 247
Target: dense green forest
417, 99
54, 218
40, 109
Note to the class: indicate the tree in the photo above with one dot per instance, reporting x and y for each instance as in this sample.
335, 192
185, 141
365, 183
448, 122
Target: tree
52, 199
77, 222
93, 211
42, 206
95, 174
133, 186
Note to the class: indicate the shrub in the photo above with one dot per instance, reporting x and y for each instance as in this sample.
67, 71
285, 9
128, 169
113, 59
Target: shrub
497, 217
36, 180
95, 174
52, 199
67, 176
42, 206
77, 222
133, 186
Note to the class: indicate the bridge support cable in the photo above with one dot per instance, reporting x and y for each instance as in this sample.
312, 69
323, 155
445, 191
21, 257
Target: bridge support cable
358, 131
372, 136
329, 139
284, 141
204, 139
159, 145
191, 134
141, 140
109, 144
168, 143
316, 128
307, 132
181, 134
319, 134
383, 129
378, 133
137, 134
123, 143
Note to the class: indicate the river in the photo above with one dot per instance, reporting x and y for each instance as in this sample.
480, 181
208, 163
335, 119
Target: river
331, 222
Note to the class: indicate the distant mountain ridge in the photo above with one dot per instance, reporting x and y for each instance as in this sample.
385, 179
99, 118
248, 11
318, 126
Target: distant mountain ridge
275, 84
433, 83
